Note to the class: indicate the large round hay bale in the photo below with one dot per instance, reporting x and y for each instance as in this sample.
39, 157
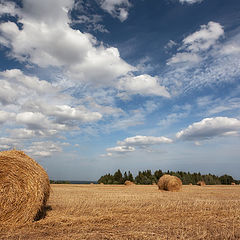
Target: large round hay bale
24, 188
169, 183
128, 183
201, 183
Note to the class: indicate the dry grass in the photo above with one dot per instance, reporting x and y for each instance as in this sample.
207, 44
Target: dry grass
24, 188
169, 183
201, 183
139, 212
129, 183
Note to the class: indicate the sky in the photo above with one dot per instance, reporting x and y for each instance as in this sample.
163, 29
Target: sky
92, 86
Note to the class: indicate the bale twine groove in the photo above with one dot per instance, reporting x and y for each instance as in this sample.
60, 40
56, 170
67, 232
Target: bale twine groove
169, 183
24, 188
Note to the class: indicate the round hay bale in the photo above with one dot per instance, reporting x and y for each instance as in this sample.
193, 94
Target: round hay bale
190, 184
101, 183
24, 188
154, 183
169, 183
129, 183
201, 183
233, 183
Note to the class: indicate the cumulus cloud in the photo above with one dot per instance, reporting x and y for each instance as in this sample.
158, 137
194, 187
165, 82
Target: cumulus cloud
7, 143
209, 128
23, 133
16, 86
196, 43
121, 149
141, 141
37, 108
36, 120
142, 84
132, 143
7, 8
204, 38
44, 149
47, 39
116, 8
63, 113
6, 116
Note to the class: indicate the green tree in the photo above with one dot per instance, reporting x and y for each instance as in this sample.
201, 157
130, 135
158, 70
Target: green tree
118, 178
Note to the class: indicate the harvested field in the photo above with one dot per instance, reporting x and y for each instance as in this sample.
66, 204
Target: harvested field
138, 212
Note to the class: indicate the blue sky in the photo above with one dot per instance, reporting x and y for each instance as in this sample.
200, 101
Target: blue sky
91, 86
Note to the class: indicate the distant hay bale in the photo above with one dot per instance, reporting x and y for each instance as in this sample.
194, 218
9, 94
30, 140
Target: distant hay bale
201, 183
101, 183
233, 183
190, 184
129, 183
24, 188
169, 183
154, 183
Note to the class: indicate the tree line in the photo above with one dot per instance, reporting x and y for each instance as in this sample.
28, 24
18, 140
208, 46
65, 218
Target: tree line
148, 178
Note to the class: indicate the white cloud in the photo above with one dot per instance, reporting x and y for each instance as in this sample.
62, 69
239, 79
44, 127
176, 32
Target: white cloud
142, 84
204, 38
231, 47
92, 22
7, 7
17, 87
116, 8
190, 1
211, 106
40, 106
46, 39
64, 113
44, 149
184, 57
121, 149
23, 133
141, 141
5, 117
196, 43
30, 82
8, 143
209, 128
170, 44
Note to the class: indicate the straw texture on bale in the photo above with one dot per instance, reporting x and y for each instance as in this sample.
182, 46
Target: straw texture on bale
128, 183
201, 183
169, 183
24, 188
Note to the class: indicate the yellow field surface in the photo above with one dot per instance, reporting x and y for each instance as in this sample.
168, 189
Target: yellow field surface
136, 212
